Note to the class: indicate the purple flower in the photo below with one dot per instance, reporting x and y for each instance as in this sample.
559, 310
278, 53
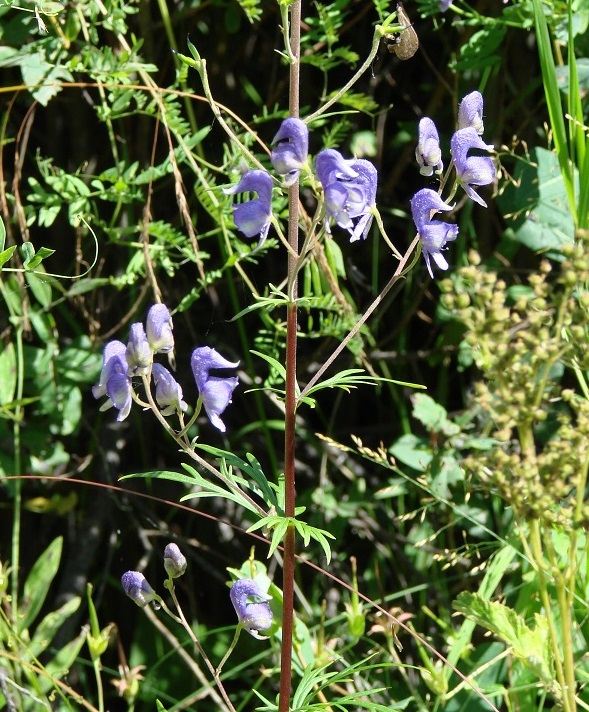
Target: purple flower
291, 145
349, 187
473, 170
433, 234
428, 153
470, 112
139, 354
159, 329
168, 393
174, 561
137, 588
114, 381
250, 603
253, 217
444, 4
214, 392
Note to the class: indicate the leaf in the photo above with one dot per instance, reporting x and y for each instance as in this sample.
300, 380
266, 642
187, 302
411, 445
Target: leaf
6, 254
7, 374
2, 234
354, 377
252, 468
37, 584
432, 415
537, 204
413, 451
48, 627
38, 257
530, 645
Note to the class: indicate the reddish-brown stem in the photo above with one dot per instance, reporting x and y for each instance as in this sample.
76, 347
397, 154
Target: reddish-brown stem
290, 386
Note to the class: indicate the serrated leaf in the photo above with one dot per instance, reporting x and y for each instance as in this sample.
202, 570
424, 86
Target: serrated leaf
432, 415
530, 645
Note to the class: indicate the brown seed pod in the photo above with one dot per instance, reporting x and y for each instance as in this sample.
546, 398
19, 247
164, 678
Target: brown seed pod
405, 43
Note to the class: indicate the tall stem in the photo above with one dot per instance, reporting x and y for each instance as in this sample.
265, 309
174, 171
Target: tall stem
291, 382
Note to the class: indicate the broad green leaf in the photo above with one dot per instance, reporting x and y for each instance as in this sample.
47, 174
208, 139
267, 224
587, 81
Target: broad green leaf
48, 627
41, 287
530, 645
536, 207
432, 415
37, 584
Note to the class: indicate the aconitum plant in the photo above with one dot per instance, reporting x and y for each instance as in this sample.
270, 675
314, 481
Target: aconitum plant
123, 365
471, 171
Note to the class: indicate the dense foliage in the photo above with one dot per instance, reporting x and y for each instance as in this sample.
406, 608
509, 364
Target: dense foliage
417, 238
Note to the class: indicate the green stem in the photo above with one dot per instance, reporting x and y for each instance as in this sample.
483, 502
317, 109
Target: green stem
563, 598
17, 519
291, 388
379, 33
536, 547
402, 267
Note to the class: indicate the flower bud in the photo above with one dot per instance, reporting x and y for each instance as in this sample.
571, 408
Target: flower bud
137, 588
174, 561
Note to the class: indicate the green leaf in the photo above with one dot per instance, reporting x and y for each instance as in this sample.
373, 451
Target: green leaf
2, 234
6, 254
553, 99
530, 645
252, 468
37, 584
36, 259
48, 627
536, 207
7, 374
354, 377
433, 416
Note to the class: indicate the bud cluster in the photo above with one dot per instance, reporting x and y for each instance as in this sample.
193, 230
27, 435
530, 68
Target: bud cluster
522, 339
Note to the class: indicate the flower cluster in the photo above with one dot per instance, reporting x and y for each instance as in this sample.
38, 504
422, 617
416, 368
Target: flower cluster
349, 186
120, 364
248, 599
471, 171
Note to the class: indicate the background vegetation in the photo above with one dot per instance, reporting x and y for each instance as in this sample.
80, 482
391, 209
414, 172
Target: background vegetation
458, 509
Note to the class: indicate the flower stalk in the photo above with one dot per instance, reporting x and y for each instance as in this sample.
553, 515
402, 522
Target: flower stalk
291, 385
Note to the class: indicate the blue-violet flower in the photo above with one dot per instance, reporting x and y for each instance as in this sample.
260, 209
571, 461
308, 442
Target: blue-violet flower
250, 603
253, 217
444, 4
291, 145
473, 170
114, 381
159, 329
174, 561
434, 234
428, 153
215, 392
137, 588
349, 187
139, 354
168, 392
470, 112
